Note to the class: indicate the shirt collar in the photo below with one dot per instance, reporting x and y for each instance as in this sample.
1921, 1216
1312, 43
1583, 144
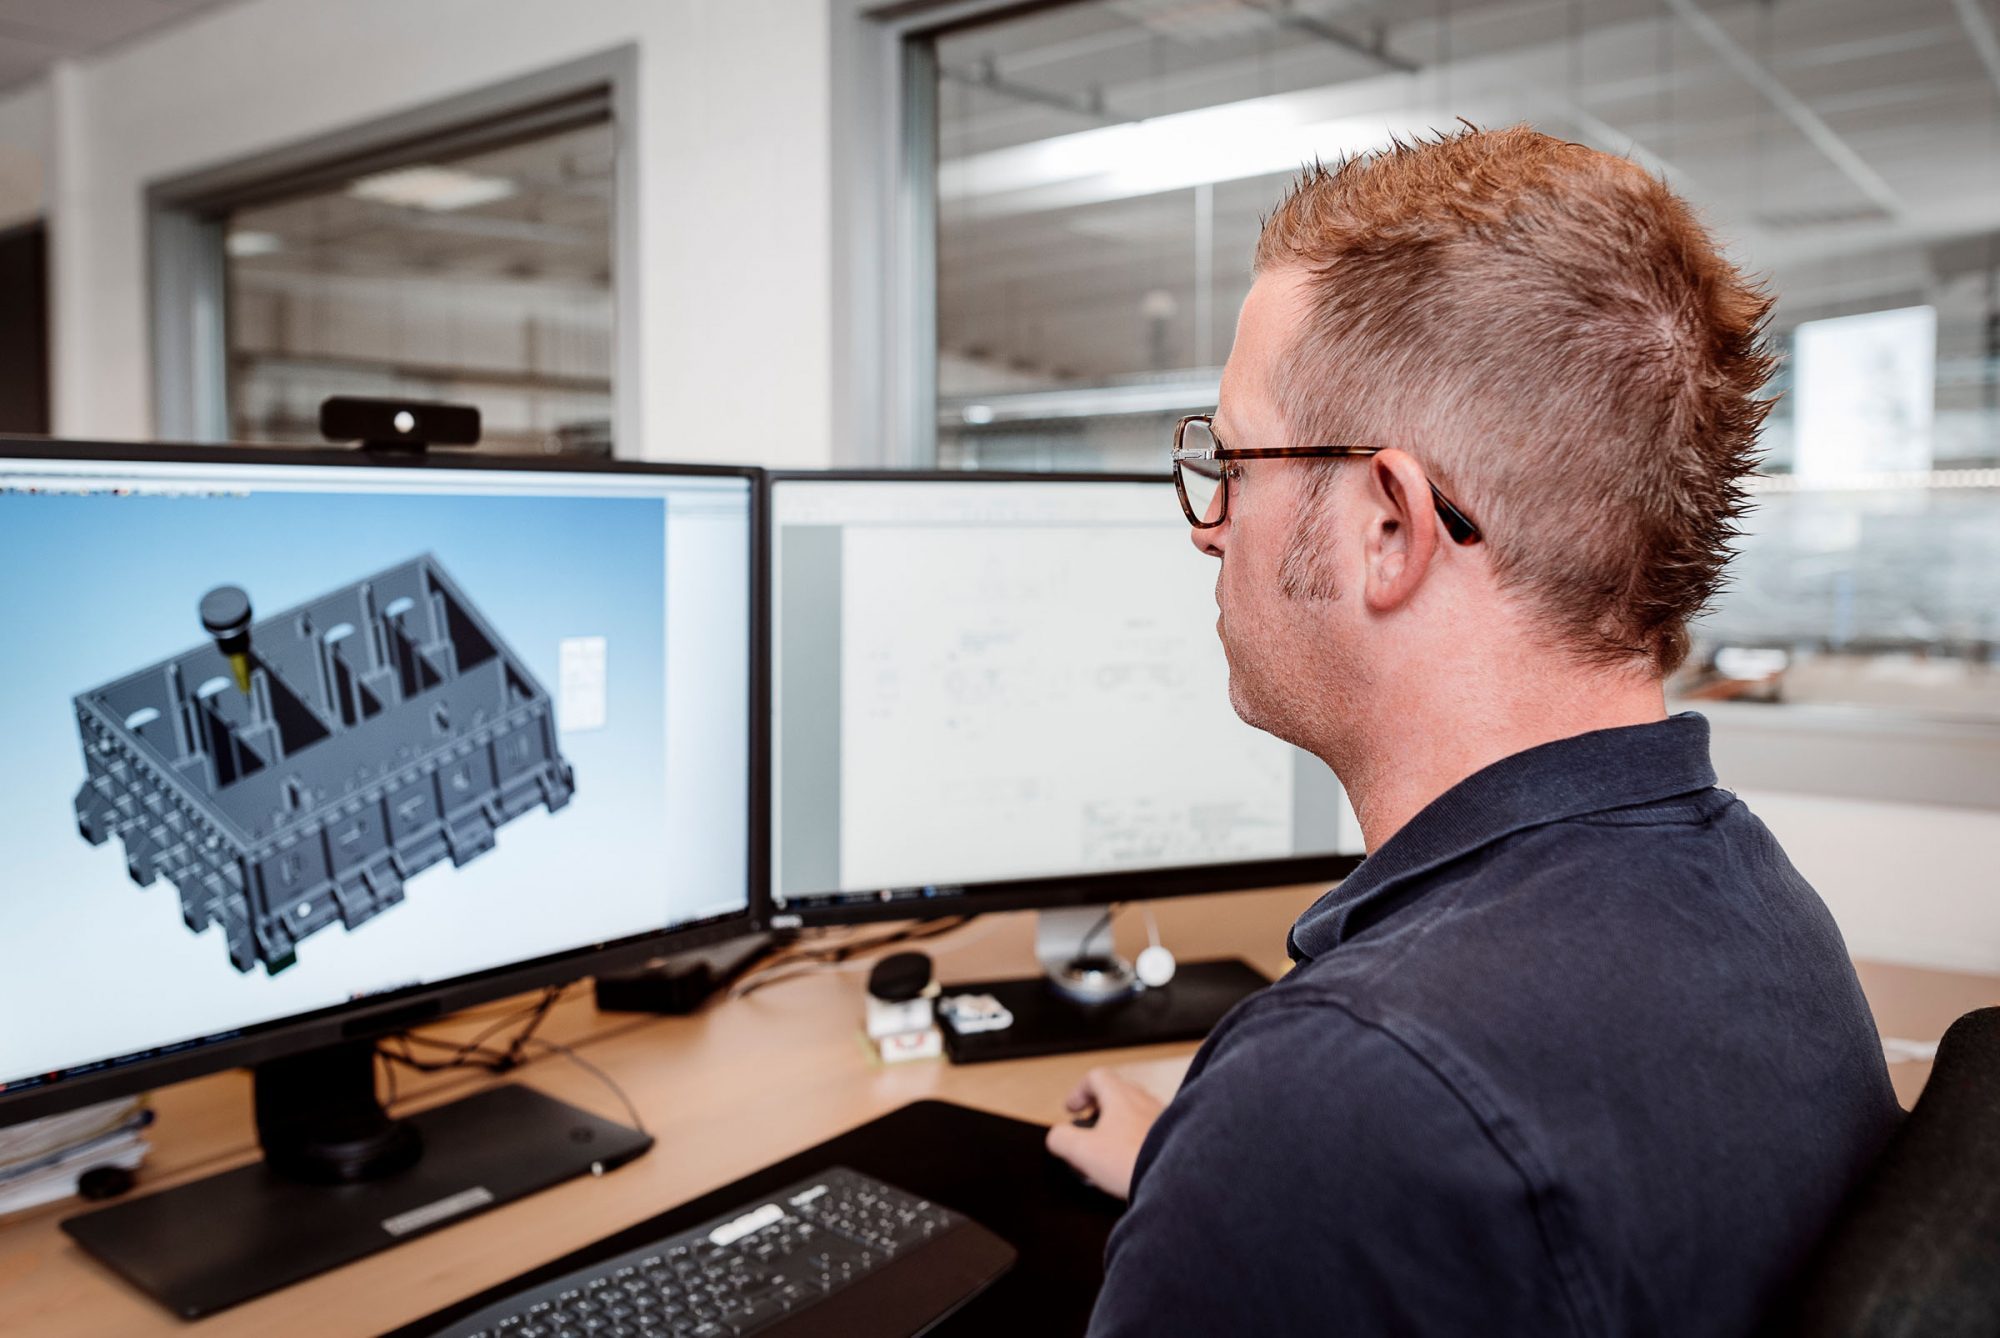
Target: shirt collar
1588, 773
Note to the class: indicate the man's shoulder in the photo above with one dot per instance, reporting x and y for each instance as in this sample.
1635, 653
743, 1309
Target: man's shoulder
1528, 971
1678, 837
1686, 907
1661, 873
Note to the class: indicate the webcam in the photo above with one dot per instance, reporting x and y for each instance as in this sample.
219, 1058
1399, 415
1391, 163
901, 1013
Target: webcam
398, 425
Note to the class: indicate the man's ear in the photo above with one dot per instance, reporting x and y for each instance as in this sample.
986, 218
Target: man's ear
1401, 540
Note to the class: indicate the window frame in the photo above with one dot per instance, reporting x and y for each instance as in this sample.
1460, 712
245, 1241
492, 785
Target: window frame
188, 272
884, 215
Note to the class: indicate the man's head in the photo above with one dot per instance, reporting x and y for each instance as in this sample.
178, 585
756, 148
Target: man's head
1543, 331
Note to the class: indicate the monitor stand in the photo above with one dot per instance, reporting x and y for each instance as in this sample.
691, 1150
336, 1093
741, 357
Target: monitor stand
341, 1179
1088, 998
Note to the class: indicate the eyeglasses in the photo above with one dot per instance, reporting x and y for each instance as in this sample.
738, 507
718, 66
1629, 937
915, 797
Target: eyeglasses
1201, 474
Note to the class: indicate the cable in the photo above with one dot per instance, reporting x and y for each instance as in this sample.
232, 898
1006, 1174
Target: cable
566, 1052
501, 1061
846, 948
745, 988
1103, 923
779, 972
473, 1053
842, 951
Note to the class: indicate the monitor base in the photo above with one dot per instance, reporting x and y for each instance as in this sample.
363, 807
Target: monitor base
1049, 1022
318, 1119
1095, 980
1066, 941
200, 1247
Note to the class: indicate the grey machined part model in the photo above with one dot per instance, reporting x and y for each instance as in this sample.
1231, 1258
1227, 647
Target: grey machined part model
387, 725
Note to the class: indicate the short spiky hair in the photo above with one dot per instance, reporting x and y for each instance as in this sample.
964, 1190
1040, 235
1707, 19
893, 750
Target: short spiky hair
1553, 333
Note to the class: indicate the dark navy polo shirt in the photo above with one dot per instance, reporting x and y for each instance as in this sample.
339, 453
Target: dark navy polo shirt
1577, 1051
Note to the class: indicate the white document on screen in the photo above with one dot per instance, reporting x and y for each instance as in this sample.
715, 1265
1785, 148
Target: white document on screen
1072, 714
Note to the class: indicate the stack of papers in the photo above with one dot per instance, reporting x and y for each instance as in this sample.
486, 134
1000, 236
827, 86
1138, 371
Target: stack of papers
41, 1160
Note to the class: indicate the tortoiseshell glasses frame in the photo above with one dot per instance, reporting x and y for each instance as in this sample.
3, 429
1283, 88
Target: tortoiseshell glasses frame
1210, 463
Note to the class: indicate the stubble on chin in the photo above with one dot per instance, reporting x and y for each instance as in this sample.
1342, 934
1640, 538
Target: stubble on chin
1251, 708
1245, 699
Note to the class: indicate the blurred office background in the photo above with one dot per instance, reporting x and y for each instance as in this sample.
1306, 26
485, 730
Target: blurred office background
990, 234
1102, 167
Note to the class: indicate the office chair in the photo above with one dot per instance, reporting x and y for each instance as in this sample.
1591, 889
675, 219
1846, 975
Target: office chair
1916, 1249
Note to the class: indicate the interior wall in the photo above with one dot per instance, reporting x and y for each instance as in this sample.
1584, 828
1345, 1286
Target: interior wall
731, 150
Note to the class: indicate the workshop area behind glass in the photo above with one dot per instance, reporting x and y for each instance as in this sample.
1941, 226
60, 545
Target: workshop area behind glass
1103, 168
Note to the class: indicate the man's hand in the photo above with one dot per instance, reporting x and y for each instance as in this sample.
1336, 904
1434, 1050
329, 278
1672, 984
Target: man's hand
1120, 1113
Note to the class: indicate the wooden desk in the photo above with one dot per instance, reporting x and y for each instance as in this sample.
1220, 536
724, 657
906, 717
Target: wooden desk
730, 1090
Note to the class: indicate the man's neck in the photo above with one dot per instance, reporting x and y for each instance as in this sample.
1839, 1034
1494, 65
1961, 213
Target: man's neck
1405, 757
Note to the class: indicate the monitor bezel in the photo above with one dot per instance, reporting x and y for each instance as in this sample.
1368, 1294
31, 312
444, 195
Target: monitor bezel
399, 1010
1011, 894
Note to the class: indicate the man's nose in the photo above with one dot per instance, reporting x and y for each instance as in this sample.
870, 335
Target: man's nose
1209, 540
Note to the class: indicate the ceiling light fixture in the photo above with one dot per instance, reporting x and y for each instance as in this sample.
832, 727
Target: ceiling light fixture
1228, 142
438, 189
243, 244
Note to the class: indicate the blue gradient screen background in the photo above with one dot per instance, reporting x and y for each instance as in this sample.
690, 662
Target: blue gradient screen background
96, 587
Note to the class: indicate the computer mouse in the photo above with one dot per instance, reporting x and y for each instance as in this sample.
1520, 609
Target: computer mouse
104, 1182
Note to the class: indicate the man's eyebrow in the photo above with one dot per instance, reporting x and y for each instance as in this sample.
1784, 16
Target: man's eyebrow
1215, 430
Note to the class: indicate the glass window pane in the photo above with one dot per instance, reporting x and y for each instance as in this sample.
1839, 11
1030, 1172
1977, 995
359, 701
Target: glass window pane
483, 279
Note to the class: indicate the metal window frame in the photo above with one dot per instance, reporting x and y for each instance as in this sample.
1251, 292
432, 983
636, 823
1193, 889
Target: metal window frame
188, 272
884, 223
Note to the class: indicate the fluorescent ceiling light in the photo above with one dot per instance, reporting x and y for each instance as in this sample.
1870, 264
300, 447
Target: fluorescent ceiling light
1229, 142
439, 189
249, 242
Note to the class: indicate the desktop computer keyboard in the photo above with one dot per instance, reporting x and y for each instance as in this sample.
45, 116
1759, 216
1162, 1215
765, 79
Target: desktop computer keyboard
838, 1252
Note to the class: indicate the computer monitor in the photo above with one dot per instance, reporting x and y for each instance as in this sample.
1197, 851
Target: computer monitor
1002, 691
305, 748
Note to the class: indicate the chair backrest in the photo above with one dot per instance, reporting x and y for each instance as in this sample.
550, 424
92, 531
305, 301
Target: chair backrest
1916, 1249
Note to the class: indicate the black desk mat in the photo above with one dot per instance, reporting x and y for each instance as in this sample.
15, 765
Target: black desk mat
1048, 1022
991, 1168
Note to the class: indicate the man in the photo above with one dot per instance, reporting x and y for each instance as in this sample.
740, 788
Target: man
1576, 1050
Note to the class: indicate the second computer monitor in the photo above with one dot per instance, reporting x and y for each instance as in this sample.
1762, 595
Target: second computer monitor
996, 692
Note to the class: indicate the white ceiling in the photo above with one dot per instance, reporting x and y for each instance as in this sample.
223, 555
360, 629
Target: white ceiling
35, 34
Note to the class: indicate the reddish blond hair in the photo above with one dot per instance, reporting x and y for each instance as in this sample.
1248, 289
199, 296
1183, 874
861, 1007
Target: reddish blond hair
1553, 333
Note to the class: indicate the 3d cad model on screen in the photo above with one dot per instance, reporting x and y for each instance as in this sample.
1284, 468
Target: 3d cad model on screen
300, 768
